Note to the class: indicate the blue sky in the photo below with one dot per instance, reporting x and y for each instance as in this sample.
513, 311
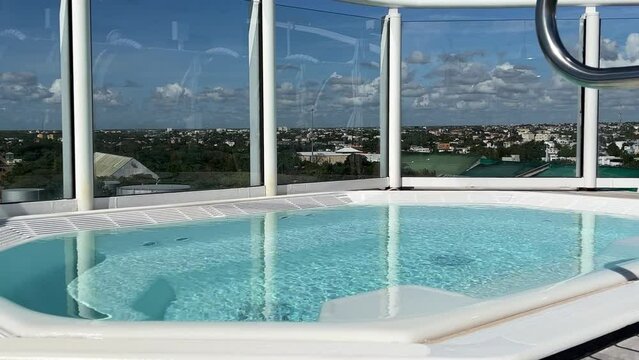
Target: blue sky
183, 64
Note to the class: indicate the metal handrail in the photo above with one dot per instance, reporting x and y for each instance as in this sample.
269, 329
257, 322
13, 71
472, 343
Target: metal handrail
448, 4
567, 65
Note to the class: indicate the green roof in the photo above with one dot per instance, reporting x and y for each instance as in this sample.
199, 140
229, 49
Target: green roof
620, 172
569, 170
500, 169
441, 164
560, 170
106, 165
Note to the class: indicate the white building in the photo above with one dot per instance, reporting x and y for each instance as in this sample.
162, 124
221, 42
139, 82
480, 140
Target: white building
116, 166
610, 161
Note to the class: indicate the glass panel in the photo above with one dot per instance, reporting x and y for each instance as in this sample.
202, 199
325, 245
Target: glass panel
30, 119
171, 98
327, 96
618, 121
480, 100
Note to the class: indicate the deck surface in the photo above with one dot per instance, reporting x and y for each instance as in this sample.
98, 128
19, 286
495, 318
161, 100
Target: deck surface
622, 344
624, 350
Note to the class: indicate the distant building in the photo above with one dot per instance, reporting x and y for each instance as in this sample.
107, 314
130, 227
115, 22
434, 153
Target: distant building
511, 158
552, 153
527, 137
10, 159
444, 147
116, 166
610, 161
335, 157
543, 136
419, 149
372, 157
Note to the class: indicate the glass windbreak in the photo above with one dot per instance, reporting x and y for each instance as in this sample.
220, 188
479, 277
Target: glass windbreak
480, 100
618, 120
30, 101
327, 95
171, 95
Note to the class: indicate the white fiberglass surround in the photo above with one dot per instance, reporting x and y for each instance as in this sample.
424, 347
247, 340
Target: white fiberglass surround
447, 325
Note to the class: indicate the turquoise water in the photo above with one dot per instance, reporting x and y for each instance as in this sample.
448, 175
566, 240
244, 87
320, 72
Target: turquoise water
284, 266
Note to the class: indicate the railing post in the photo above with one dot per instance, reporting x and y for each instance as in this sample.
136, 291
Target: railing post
65, 101
255, 102
395, 100
590, 105
82, 102
383, 100
268, 97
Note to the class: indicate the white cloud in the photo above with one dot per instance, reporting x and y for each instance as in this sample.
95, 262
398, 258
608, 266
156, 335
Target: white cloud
612, 57
172, 92
106, 97
21, 86
609, 50
421, 102
418, 57
218, 94
56, 92
632, 46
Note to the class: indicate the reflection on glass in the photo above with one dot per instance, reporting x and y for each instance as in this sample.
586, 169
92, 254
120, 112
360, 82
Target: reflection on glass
30, 97
171, 96
480, 100
327, 96
618, 122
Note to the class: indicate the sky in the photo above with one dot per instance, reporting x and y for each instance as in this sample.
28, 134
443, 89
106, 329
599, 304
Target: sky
184, 64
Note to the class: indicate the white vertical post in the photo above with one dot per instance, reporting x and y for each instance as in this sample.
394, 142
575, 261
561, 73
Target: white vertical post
255, 102
580, 122
383, 100
395, 100
82, 102
591, 101
268, 97
65, 102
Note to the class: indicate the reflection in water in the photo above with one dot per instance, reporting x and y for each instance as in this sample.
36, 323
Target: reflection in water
70, 273
587, 235
257, 300
80, 256
392, 275
270, 243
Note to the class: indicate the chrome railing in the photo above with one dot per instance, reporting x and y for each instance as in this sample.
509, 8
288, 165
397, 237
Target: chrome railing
567, 65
